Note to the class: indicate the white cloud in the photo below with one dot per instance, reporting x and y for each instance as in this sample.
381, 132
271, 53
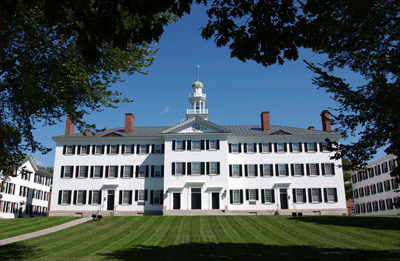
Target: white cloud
165, 110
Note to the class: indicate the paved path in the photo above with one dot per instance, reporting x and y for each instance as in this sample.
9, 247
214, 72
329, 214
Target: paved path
44, 231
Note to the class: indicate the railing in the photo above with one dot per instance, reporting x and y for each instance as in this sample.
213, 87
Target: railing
197, 95
275, 210
189, 111
100, 209
294, 208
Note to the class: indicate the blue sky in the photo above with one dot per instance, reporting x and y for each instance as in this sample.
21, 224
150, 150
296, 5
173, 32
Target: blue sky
237, 92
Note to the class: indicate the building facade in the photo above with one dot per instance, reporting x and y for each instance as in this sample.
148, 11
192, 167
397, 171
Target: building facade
27, 194
375, 192
197, 167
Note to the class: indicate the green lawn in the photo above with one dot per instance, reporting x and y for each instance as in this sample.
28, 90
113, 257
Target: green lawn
20, 226
217, 238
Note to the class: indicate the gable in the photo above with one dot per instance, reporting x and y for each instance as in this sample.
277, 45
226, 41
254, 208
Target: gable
280, 132
112, 134
195, 125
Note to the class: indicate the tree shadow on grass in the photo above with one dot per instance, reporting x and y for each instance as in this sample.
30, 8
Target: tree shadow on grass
251, 251
372, 222
16, 251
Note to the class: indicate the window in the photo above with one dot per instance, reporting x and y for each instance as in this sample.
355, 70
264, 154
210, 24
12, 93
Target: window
323, 147
96, 197
213, 145
84, 149
377, 170
382, 205
64, 197
375, 206
373, 189
384, 167
250, 148
98, 172
267, 196
361, 192
282, 169
213, 168
380, 187
236, 196
141, 195
83, 171
363, 208
142, 171
80, 197
280, 147
68, 171
196, 168
311, 147
179, 145
113, 172
314, 195
295, 147
143, 149
114, 149
157, 171
127, 171
394, 184
389, 203
251, 170
235, 170
178, 168
196, 145
265, 147
299, 195
392, 164
126, 197
330, 194
297, 170
251, 194
387, 185
366, 191
266, 170
69, 149
234, 148
359, 176
370, 172
328, 169
313, 169
155, 197
98, 149
128, 149
157, 149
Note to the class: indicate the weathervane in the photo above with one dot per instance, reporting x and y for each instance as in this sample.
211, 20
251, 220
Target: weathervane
198, 66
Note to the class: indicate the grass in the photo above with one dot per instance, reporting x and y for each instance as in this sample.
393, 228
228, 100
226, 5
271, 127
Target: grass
217, 238
19, 226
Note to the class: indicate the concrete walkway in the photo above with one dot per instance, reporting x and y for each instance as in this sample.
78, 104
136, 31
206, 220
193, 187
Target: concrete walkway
44, 231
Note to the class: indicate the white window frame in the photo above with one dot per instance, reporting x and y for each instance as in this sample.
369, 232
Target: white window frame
267, 170
251, 170
179, 168
235, 147
110, 172
297, 170
330, 195
127, 171
95, 197
82, 171
125, 197
156, 197
97, 172
142, 149
310, 147
250, 147
157, 171
179, 145
196, 168
65, 196
282, 170
141, 194
265, 148
196, 145
213, 168
113, 149
295, 147
236, 196
98, 149
268, 196
157, 149
328, 169
299, 196
68, 172
128, 149
142, 171
213, 145
280, 147
79, 197
235, 171
313, 169
315, 195
84, 149
69, 150
252, 195
324, 149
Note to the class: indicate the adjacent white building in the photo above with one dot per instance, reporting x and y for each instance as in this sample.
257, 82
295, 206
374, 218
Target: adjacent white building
27, 194
375, 192
197, 167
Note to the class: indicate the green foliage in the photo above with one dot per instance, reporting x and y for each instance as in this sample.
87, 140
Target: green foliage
47, 169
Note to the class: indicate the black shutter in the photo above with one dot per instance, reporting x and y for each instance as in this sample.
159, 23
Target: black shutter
189, 145
294, 195
262, 196
99, 200
137, 171
122, 172
325, 195
76, 171
247, 194
230, 148
130, 197
90, 197
335, 194
108, 149
138, 149
323, 169
162, 171
107, 169
290, 147
240, 171
151, 196
275, 147
319, 194
317, 167
183, 168
173, 168
309, 196
64, 149
153, 148
273, 195
256, 194
123, 149
284, 147
271, 169
241, 196
292, 169
102, 149
147, 149
189, 168
69, 196
218, 168
308, 169
333, 168
245, 170
93, 149
152, 171
300, 147
240, 147
255, 147
184, 145
305, 147
245, 148
270, 147
255, 170
202, 144
131, 172
78, 151
315, 147
321, 149
260, 147
304, 196
162, 148
287, 169
230, 196
208, 167
302, 169
202, 168
230, 170
84, 197
147, 171
120, 197
217, 144
173, 144
73, 149
132, 149
136, 195
277, 169
261, 170
59, 196
145, 195
62, 171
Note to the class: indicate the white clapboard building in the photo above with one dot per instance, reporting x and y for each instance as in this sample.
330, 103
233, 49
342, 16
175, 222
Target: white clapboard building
27, 194
375, 192
197, 167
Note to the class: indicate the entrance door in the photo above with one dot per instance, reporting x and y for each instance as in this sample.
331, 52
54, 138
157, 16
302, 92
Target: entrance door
110, 200
177, 201
215, 200
284, 199
196, 198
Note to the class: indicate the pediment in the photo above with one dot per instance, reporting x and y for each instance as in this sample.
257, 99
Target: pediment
195, 125
280, 132
112, 134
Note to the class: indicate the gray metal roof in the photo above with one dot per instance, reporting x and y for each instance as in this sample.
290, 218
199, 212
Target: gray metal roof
236, 130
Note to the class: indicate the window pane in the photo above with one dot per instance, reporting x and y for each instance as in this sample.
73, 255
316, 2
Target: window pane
213, 144
196, 145
196, 168
236, 196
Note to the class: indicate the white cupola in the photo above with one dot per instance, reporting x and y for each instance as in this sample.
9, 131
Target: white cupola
197, 100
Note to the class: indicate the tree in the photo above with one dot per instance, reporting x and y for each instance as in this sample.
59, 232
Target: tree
59, 58
348, 189
361, 35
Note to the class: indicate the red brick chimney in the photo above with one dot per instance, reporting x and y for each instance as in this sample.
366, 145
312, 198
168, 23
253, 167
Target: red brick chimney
265, 121
326, 122
129, 122
310, 128
69, 126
